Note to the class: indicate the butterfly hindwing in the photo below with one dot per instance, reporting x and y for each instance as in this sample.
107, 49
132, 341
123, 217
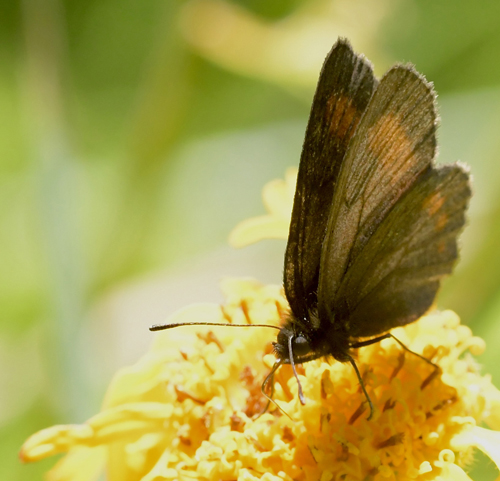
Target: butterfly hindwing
393, 146
394, 280
344, 90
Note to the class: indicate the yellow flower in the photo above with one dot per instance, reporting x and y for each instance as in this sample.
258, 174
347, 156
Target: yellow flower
277, 196
190, 408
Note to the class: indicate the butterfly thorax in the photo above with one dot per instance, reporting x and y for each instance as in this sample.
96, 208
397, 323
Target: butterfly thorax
308, 343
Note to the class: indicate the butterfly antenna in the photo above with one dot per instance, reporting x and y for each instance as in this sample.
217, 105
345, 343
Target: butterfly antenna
270, 377
292, 362
351, 360
162, 327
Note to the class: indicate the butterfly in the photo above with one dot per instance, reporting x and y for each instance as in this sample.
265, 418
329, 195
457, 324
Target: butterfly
375, 222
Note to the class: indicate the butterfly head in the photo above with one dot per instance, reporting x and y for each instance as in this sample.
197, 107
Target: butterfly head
305, 339
300, 343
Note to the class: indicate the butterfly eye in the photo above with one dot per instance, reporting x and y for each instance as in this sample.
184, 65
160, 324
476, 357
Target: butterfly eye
301, 346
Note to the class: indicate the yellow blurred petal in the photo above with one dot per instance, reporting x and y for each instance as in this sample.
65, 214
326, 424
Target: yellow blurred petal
452, 472
290, 50
80, 464
131, 382
109, 425
449, 470
277, 196
484, 439
54, 440
492, 418
129, 420
161, 470
258, 228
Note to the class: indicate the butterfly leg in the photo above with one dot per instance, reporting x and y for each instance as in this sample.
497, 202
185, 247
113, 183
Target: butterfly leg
360, 379
368, 343
391, 336
362, 384
270, 378
428, 361
356, 345
372, 341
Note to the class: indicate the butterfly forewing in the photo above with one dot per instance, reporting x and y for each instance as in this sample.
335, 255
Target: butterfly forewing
344, 90
393, 146
394, 280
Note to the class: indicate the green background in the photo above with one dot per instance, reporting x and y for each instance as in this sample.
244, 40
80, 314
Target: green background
127, 154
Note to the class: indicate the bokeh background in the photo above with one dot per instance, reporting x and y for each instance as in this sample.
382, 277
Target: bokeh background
135, 134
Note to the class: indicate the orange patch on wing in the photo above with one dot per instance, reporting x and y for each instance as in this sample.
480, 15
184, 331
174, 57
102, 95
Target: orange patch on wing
441, 247
389, 131
441, 222
433, 203
390, 143
341, 115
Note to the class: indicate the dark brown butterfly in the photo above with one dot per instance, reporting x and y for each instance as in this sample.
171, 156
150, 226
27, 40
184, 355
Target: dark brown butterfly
375, 223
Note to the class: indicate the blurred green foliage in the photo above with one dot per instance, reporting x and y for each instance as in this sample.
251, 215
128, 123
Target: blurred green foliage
125, 151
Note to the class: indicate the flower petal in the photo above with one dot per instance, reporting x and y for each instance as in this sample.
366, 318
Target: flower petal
449, 470
278, 201
256, 229
278, 194
80, 464
492, 418
120, 423
486, 440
